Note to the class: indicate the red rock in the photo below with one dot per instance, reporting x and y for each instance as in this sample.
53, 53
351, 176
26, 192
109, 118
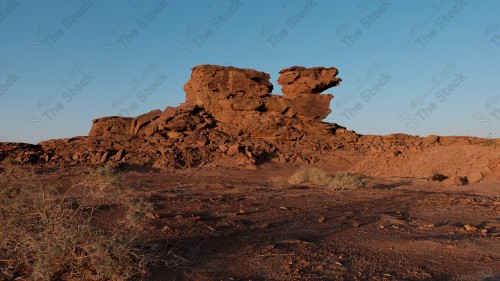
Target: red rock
119, 155
213, 82
475, 177
311, 107
110, 126
143, 120
232, 150
453, 180
300, 80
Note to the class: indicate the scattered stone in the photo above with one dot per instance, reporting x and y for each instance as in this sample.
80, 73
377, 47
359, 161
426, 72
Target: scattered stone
262, 226
119, 155
470, 228
233, 150
453, 181
438, 177
321, 219
153, 216
104, 157
426, 227
475, 177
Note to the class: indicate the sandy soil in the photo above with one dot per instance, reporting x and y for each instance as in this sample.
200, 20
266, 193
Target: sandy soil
237, 224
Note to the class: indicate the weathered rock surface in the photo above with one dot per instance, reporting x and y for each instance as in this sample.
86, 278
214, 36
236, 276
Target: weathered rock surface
231, 118
300, 80
228, 93
110, 126
142, 120
211, 83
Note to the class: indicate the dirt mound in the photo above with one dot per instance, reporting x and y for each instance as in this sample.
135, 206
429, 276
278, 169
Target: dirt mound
231, 118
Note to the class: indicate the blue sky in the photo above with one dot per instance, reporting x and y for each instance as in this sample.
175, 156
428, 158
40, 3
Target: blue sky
415, 67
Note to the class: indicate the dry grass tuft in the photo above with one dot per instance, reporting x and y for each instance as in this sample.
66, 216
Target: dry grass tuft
345, 181
53, 233
318, 177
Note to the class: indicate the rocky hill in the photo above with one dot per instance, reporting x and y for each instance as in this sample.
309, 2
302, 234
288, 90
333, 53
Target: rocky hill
231, 118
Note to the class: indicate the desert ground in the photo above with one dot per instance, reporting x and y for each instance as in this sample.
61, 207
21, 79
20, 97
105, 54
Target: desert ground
241, 184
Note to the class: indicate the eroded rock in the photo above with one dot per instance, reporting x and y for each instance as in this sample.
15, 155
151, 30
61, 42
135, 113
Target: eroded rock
110, 126
298, 80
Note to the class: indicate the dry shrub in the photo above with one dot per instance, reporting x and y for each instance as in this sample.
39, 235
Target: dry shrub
50, 234
345, 181
318, 177
309, 175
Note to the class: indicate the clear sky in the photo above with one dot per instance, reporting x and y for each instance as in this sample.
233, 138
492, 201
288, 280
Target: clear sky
416, 67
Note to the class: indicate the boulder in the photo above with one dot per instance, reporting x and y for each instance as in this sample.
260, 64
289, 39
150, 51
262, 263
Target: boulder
453, 181
110, 126
209, 83
142, 120
475, 177
300, 80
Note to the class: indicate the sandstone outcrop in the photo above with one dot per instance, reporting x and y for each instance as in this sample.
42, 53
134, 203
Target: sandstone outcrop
232, 118
298, 80
110, 126
229, 92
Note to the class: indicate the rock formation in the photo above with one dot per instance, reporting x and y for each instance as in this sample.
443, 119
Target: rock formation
230, 117
298, 80
228, 91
